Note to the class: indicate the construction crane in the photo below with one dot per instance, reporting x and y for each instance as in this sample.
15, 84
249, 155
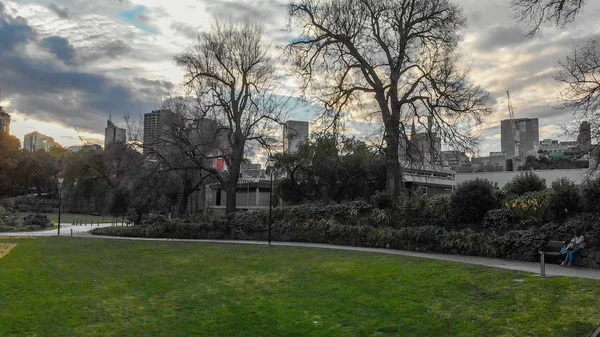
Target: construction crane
513, 123
83, 142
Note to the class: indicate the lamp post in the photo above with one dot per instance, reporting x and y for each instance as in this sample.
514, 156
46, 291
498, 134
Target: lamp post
60, 181
270, 164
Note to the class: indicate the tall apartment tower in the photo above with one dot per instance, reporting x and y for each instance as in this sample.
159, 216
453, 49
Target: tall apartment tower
4, 121
529, 135
113, 134
295, 133
584, 139
35, 141
154, 124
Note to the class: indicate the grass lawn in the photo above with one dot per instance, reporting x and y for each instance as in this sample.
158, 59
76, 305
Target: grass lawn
69, 218
92, 287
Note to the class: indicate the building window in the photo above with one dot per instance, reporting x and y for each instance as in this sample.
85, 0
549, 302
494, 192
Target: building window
424, 190
218, 201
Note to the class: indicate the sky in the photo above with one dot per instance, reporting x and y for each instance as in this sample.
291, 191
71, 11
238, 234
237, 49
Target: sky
66, 65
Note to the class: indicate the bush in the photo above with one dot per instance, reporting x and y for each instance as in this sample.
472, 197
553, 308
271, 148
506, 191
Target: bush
590, 191
36, 221
500, 220
438, 206
531, 208
525, 182
470, 201
34, 205
564, 199
382, 200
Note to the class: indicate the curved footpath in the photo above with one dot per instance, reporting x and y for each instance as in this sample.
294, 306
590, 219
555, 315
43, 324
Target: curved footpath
531, 267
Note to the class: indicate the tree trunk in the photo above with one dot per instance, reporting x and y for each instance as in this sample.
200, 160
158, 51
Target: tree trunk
234, 175
182, 202
392, 162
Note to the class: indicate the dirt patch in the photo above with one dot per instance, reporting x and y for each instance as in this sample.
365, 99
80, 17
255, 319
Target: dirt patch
5, 248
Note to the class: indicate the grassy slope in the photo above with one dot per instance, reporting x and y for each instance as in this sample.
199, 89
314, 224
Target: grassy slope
67, 287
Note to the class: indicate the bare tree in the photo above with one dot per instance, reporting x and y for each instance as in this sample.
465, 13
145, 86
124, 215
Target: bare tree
231, 74
399, 55
539, 12
581, 76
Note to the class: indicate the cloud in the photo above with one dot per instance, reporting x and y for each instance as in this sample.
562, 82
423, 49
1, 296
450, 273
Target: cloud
44, 90
62, 13
60, 47
139, 18
501, 37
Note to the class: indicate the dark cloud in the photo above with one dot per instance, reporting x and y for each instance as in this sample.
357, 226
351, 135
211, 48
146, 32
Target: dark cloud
44, 90
501, 37
13, 31
60, 47
62, 13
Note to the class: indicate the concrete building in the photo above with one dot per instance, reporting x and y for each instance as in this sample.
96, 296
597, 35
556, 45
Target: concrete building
528, 132
77, 148
585, 135
113, 134
4, 121
155, 123
454, 158
252, 195
496, 161
249, 171
295, 133
35, 141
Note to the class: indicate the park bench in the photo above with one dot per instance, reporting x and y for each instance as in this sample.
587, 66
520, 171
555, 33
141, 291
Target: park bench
552, 248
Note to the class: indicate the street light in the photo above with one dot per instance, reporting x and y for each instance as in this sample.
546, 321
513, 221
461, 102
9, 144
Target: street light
270, 163
60, 181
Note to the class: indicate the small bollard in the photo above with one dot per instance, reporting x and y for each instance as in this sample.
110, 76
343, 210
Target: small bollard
71, 232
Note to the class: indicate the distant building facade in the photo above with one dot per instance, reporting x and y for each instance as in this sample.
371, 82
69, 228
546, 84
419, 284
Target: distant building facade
77, 148
295, 133
528, 133
35, 141
113, 134
496, 161
454, 158
155, 123
585, 135
4, 121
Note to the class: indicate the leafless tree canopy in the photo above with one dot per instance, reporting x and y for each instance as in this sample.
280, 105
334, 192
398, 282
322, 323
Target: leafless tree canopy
400, 54
538, 12
581, 76
230, 75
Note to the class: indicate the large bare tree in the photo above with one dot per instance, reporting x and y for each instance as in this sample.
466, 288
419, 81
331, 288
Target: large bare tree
232, 76
398, 55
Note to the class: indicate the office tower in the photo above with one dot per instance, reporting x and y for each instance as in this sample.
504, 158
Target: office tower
295, 133
113, 134
584, 139
35, 141
528, 133
4, 121
155, 123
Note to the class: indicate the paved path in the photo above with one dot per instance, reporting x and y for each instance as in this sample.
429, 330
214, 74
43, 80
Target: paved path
531, 267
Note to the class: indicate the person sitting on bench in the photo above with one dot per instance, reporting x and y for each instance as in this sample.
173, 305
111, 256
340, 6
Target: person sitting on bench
576, 245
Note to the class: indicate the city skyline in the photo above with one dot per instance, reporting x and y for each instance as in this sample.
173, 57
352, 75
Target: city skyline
128, 64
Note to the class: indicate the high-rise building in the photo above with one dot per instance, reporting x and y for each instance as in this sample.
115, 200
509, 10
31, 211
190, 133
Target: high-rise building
4, 121
35, 141
113, 134
155, 123
295, 133
528, 133
584, 139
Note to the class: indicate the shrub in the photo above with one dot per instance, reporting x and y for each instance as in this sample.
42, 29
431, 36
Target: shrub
590, 191
438, 206
500, 220
382, 200
470, 201
525, 182
34, 205
36, 221
531, 207
564, 199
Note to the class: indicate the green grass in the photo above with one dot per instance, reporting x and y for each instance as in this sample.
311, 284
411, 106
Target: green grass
69, 218
93, 287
